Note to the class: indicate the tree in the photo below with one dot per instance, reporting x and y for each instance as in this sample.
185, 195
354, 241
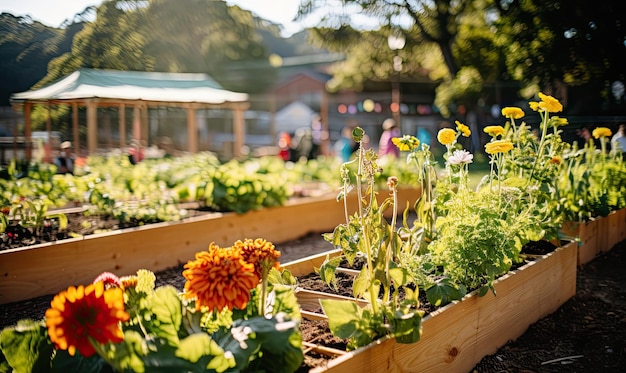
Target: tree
450, 40
573, 49
197, 36
26, 46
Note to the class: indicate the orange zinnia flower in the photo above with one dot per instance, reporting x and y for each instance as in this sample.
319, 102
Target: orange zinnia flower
219, 278
80, 313
260, 253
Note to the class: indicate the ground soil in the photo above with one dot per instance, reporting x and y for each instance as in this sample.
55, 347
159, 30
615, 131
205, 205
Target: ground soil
587, 334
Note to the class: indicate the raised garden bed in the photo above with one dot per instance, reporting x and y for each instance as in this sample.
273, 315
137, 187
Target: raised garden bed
598, 235
48, 268
457, 336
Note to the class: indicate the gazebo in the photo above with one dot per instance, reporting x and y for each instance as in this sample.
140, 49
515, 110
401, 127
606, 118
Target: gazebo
92, 88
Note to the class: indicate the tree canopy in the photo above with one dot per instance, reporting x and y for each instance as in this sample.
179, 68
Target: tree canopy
163, 35
565, 48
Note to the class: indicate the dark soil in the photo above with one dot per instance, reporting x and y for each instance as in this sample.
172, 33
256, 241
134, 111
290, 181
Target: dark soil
587, 334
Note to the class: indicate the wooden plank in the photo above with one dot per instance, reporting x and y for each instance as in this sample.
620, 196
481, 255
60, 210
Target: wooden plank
616, 228
457, 336
310, 299
307, 265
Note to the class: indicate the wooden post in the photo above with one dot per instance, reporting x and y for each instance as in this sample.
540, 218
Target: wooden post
239, 131
75, 132
136, 122
192, 130
122, 121
144, 140
92, 127
27, 130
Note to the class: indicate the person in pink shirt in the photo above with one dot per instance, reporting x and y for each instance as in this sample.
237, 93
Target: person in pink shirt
385, 145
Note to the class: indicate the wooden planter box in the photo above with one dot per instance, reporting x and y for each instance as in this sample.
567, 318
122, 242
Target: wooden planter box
456, 337
598, 235
49, 268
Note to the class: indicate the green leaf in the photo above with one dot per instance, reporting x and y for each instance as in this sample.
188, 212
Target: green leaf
63, 362
327, 271
442, 293
26, 346
361, 283
343, 316
166, 306
400, 276
197, 346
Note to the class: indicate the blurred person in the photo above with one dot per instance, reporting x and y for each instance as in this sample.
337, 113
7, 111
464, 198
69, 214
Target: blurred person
345, 146
619, 139
135, 152
167, 145
317, 135
385, 145
65, 160
284, 146
584, 133
424, 136
301, 144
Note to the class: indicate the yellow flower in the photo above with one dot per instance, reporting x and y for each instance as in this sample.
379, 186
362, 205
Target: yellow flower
512, 112
601, 132
498, 146
534, 105
259, 253
219, 278
80, 313
465, 131
549, 103
406, 143
494, 131
558, 121
446, 136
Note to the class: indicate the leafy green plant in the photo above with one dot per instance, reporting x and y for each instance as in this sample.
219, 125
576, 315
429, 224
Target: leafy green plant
26, 219
367, 235
218, 324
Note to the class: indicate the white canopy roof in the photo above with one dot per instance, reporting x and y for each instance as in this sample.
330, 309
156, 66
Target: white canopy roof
134, 85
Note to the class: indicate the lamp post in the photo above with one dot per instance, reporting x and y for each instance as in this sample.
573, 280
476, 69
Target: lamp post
396, 42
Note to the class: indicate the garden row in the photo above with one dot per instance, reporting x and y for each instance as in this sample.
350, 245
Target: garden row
434, 294
454, 338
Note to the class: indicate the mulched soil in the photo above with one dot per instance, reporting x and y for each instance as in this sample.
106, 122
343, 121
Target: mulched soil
587, 334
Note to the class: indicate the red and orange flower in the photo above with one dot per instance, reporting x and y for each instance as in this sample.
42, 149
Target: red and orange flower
219, 278
79, 314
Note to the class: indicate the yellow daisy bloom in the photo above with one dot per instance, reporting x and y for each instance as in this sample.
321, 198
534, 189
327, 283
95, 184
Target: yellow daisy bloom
494, 131
465, 131
498, 146
534, 105
601, 132
558, 121
549, 103
446, 136
512, 112
406, 143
